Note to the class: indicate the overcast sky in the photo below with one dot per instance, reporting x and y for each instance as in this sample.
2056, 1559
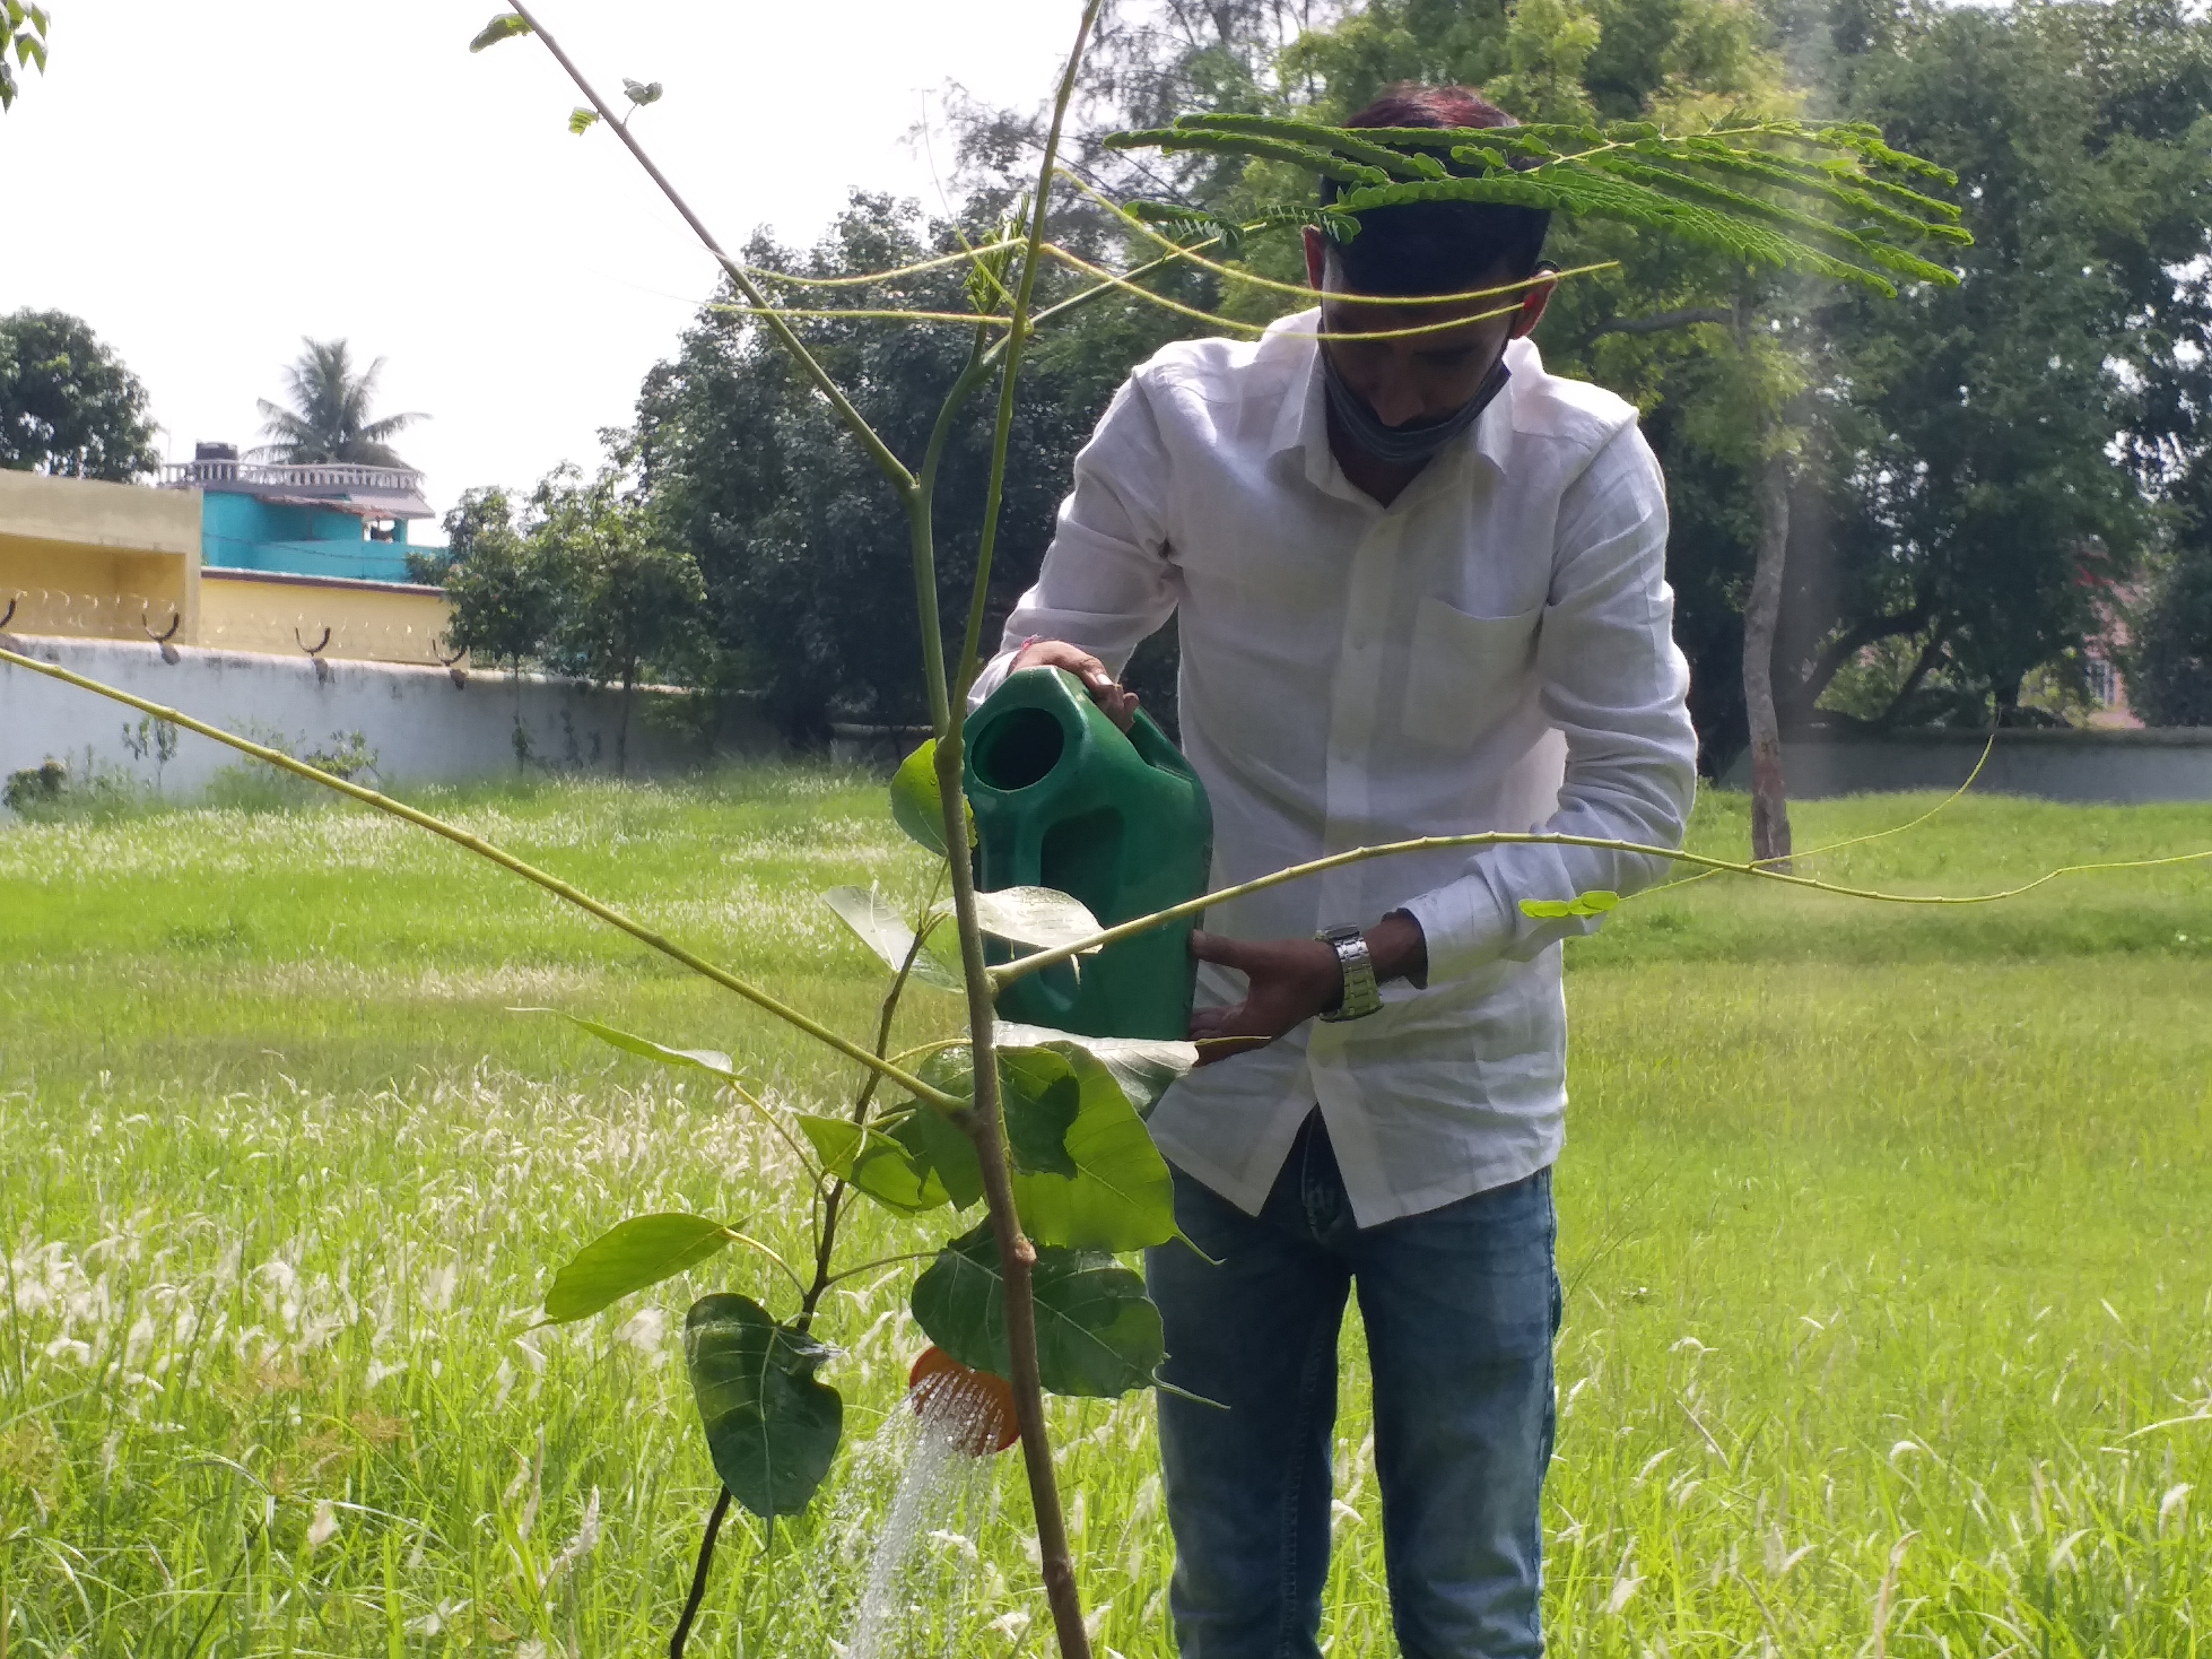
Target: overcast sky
206, 184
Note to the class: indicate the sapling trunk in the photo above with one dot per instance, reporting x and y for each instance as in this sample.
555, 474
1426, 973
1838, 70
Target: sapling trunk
1017, 1256
1770, 798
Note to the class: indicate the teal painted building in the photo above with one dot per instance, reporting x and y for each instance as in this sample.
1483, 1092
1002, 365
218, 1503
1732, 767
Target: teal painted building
345, 521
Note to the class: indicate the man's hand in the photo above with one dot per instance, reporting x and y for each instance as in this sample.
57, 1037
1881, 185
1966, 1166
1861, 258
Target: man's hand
1119, 702
1290, 980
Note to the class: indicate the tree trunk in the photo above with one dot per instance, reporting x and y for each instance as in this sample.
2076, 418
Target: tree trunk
1770, 799
621, 728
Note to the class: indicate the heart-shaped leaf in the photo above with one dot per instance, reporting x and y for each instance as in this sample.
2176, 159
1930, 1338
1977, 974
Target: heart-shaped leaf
879, 1166
1085, 1172
1595, 903
883, 930
702, 1059
772, 1426
634, 1253
1039, 1097
1041, 916
1144, 1067
1098, 1334
1115, 1193
916, 806
942, 1149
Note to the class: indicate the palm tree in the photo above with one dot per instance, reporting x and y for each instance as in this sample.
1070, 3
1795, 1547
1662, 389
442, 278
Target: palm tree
328, 420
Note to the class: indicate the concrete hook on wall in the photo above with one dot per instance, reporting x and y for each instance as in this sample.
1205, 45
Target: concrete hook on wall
163, 639
452, 665
315, 653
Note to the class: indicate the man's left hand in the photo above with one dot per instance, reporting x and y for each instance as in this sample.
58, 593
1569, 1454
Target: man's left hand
1289, 982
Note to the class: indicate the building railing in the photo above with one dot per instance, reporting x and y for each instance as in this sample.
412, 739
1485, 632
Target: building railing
284, 475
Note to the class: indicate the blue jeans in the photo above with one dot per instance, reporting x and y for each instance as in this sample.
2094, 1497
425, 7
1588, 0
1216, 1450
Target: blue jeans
1461, 1305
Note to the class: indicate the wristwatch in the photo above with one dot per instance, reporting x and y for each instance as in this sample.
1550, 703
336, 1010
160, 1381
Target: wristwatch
1360, 997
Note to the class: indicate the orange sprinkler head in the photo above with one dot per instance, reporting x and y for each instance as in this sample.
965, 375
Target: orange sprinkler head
978, 1406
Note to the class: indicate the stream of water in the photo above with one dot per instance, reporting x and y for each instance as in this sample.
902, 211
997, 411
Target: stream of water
921, 1572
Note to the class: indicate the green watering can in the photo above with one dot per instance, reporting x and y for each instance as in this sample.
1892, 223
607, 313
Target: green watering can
1062, 798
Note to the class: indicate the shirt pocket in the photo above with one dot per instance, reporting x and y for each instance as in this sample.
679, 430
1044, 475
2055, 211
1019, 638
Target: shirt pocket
1466, 672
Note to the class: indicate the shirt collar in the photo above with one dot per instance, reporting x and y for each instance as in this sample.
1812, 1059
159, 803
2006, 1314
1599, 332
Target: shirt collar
1302, 420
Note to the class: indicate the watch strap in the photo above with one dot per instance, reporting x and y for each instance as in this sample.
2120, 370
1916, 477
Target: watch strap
1361, 995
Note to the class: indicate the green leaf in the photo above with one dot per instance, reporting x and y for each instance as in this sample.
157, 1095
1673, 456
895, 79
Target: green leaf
1040, 916
1085, 1172
1595, 903
883, 930
916, 806
872, 1161
941, 1148
642, 93
634, 1253
1144, 1067
1098, 1334
581, 119
703, 1059
1114, 1191
772, 1427
1039, 1097
505, 27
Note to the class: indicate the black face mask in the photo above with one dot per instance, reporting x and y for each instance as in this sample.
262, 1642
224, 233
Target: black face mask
1417, 441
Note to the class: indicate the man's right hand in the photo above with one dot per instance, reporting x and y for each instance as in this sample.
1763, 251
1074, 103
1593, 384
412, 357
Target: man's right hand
1119, 702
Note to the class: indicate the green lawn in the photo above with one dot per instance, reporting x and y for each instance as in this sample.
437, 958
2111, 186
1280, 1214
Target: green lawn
1890, 1318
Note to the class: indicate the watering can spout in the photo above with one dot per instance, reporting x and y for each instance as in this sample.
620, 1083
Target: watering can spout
975, 1409
1063, 798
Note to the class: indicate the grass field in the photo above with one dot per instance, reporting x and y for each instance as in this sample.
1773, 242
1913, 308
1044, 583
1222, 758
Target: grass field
1889, 1328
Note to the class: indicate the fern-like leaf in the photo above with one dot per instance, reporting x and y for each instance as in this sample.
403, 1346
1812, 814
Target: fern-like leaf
1844, 213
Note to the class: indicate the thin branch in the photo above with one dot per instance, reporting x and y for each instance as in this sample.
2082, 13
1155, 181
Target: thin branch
506, 860
1023, 967
857, 314
683, 1635
1254, 279
964, 255
1831, 660
789, 1271
883, 1261
891, 466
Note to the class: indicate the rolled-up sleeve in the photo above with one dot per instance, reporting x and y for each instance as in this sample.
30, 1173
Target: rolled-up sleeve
1613, 682
1107, 582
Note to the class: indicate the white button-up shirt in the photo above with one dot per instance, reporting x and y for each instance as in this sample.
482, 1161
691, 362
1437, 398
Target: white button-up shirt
1492, 651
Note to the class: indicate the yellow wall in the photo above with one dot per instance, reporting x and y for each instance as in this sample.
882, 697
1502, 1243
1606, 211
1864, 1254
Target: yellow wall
101, 561
116, 562
369, 622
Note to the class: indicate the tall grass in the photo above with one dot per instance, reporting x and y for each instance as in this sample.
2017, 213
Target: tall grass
1890, 1315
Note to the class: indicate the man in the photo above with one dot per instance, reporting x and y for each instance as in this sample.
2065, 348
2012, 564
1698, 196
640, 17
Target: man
1421, 592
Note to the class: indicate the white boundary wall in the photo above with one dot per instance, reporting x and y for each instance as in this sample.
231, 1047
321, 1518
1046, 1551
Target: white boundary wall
2117, 767
421, 725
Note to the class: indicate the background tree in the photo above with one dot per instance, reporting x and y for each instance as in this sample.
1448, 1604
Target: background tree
1943, 485
1996, 448
503, 595
329, 419
68, 405
806, 563
629, 601
2170, 666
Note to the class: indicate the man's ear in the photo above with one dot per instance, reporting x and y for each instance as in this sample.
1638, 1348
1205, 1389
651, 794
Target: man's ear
1317, 258
1533, 300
